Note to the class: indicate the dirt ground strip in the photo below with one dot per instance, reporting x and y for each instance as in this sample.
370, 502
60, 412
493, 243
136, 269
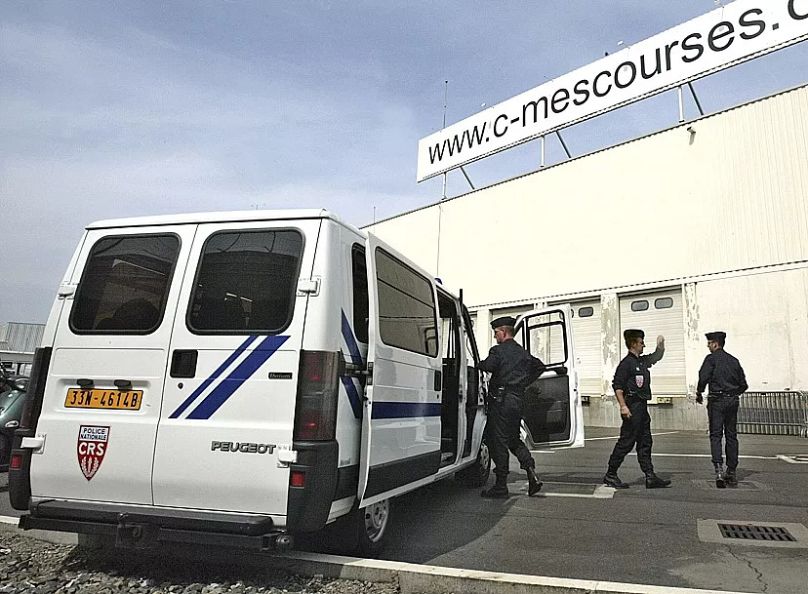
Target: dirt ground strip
32, 566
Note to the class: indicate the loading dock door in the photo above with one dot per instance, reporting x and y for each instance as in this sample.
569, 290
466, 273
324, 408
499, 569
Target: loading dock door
588, 346
657, 313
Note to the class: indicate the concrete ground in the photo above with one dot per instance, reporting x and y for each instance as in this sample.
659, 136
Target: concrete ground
578, 529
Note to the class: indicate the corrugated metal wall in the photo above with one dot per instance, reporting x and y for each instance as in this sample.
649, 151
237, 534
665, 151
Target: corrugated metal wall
21, 338
732, 195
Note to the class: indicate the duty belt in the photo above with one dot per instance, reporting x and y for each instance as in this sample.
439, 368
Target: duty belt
720, 395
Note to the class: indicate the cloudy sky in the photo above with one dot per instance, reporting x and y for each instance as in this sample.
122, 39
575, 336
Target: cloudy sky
114, 109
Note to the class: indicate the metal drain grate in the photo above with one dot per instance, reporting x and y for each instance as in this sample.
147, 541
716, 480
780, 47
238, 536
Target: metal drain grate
752, 532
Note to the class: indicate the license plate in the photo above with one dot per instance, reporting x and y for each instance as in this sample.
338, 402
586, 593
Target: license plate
111, 399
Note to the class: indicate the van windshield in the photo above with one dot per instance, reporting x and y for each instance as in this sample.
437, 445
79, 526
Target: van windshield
246, 282
125, 284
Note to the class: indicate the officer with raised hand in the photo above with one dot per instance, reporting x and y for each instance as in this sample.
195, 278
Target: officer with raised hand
727, 381
632, 388
512, 370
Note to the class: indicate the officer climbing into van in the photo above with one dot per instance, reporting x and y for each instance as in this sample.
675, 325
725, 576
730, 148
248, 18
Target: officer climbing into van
512, 370
632, 388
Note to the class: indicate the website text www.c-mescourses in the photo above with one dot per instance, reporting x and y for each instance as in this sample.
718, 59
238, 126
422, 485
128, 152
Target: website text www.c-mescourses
690, 48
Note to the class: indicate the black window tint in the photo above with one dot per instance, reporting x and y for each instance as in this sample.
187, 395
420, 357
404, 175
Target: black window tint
125, 285
640, 305
360, 293
406, 307
586, 312
663, 303
246, 282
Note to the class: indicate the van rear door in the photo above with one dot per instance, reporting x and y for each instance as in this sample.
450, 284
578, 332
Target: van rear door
104, 389
553, 413
225, 435
401, 427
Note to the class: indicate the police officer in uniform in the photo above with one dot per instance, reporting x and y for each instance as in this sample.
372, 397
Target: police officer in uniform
727, 382
632, 388
512, 370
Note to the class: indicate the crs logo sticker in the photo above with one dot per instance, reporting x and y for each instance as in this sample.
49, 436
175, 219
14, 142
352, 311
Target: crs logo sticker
91, 448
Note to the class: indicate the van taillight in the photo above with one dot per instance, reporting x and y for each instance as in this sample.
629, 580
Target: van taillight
16, 462
36, 390
317, 391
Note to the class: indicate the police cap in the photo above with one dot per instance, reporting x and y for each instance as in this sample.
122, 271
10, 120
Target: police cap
633, 334
503, 321
716, 336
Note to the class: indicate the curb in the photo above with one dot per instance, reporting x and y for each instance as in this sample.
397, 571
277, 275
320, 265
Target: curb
412, 578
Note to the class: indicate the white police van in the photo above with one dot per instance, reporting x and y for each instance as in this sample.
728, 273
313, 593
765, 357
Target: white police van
241, 377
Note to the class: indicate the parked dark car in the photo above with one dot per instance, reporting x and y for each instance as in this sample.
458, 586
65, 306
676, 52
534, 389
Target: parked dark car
12, 398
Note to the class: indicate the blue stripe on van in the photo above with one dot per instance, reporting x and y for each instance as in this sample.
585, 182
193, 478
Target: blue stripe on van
350, 340
204, 385
402, 410
353, 395
348, 382
237, 377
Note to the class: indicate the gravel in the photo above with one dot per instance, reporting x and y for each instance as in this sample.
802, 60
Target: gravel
33, 566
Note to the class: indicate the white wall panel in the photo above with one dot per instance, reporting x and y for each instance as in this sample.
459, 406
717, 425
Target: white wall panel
765, 317
732, 195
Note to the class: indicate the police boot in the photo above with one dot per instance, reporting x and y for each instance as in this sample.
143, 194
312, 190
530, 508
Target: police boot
499, 490
652, 481
533, 482
731, 478
720, 479
612, 480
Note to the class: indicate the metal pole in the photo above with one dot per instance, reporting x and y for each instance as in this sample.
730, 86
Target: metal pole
695, 98
563, 144
681, 104
542, 151
466, 175
445, 103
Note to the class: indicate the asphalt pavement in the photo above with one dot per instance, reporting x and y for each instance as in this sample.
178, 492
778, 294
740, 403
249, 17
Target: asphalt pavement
576, 528
579, 529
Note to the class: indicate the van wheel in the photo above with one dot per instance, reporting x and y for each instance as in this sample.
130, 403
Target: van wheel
371, 524
477, 474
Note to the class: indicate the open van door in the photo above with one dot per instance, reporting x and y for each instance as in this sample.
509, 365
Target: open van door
553, 414
401, 424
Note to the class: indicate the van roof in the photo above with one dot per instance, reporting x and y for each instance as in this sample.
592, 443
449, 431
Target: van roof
222, 217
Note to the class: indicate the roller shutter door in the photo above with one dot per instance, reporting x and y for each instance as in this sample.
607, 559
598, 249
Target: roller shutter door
658, 313
586, 336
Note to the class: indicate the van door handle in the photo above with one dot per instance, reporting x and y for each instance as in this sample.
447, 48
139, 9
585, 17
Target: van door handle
438, 385
183, 363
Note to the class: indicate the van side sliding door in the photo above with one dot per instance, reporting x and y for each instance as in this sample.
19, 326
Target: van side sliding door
553, 414
401, 428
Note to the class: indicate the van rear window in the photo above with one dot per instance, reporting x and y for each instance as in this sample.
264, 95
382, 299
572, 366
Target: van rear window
125, 285
246, 282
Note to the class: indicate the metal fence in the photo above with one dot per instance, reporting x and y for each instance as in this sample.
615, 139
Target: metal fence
774, 413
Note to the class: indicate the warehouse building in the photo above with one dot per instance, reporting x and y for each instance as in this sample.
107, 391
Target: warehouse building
700, 227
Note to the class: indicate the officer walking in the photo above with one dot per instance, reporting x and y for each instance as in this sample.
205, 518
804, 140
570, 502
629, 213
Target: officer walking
727, 382
632, 387
512, 370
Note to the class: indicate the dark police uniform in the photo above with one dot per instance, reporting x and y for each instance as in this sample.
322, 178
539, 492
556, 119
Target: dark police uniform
727, 381
634, 378
512, 370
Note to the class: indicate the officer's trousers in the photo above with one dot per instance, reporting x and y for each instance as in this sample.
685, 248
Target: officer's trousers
722, 412
634, 431
502, 433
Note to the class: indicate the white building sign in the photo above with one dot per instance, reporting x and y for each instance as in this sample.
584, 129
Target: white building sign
729, 35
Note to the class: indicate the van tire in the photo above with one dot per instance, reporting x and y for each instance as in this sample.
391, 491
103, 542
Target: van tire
477, 474
371, 525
